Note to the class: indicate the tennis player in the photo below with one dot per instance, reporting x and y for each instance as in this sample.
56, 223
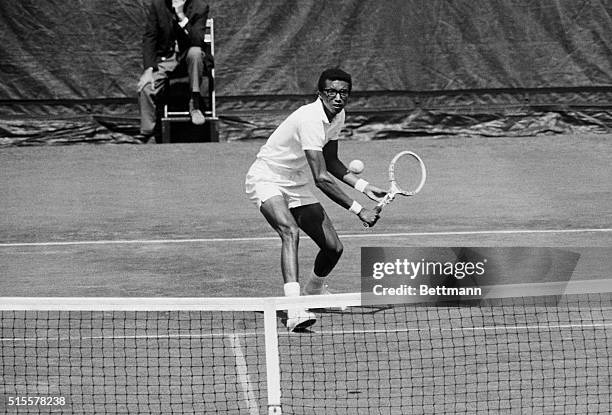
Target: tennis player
306, 145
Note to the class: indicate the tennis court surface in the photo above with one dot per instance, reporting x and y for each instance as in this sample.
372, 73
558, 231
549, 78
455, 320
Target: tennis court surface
141, 280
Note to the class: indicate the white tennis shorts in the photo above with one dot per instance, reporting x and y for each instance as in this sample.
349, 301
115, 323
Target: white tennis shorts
264, 181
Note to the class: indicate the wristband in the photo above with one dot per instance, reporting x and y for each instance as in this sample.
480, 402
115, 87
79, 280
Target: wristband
355, 208
182, 23
361, 185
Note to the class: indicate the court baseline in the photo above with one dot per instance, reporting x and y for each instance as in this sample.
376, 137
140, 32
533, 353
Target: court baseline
274, 238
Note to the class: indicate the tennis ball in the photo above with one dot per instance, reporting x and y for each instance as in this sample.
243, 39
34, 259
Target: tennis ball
356, 166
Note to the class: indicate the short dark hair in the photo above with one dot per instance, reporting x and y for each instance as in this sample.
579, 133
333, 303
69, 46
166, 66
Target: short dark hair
334, 74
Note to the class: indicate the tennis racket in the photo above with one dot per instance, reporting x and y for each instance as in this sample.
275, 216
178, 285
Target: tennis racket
407, 175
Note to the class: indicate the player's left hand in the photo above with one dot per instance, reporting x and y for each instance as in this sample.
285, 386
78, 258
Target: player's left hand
375, 193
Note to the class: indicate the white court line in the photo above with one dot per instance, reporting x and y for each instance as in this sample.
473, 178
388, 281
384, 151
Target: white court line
365, 234
323, 332
242, 373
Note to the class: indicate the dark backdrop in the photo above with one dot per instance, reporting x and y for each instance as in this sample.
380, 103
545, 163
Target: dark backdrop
69, 58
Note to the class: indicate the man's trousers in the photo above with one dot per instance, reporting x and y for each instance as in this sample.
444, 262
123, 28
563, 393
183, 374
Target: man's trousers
194, 64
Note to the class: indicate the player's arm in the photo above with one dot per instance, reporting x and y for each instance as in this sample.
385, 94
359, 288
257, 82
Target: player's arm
339, 170
325, 182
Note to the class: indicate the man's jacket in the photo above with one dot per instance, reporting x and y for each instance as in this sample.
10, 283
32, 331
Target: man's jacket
162, 31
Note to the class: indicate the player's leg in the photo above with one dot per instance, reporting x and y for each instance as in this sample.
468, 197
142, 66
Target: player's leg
268, 196
315, 222
277, 214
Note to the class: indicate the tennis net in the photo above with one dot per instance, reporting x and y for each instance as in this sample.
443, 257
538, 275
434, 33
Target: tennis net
523, 350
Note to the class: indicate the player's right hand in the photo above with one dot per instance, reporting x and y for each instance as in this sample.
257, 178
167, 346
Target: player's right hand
370, 217
145, 78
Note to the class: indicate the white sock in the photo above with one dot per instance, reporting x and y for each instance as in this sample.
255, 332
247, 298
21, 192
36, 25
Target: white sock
292, 289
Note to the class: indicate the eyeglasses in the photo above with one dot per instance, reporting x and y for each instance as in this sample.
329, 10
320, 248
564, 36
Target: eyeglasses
331, 93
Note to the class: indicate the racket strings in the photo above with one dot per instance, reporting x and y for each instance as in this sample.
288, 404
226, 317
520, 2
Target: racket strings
408, 173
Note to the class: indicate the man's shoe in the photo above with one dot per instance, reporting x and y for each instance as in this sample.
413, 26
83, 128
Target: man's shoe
197, 118
146, 138
298, 320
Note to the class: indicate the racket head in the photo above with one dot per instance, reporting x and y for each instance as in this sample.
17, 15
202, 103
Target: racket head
407, 173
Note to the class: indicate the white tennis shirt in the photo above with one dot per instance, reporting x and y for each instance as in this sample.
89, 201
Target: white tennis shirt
307, 128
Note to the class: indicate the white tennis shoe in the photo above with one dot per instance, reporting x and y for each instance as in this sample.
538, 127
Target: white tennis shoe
300, 319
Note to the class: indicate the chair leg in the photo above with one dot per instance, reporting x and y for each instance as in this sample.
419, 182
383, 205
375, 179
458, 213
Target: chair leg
212, 131
165, 124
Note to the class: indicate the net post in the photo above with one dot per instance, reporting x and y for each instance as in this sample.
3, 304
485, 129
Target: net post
272, 359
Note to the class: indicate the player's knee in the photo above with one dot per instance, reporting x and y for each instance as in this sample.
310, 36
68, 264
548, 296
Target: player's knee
335, 250
288, 232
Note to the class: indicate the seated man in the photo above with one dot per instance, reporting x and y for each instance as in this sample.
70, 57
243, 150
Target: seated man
173, 40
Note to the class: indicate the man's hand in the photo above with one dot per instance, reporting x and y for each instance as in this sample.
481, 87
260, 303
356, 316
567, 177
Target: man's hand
374, 193
369, 216
178, 6
145, 78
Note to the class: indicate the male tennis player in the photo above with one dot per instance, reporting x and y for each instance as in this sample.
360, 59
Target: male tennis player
306, 145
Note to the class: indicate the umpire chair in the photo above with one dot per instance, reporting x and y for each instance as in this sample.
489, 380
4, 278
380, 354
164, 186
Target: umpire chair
175, 120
